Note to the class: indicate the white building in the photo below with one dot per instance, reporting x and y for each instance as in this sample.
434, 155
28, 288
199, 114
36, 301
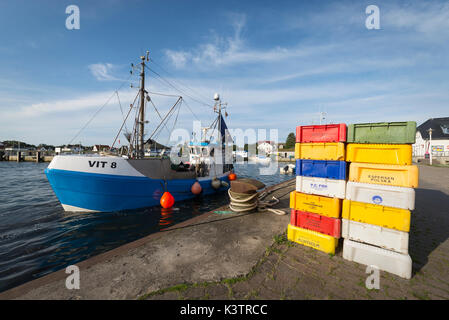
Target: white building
440, 138
13, 151
67, 150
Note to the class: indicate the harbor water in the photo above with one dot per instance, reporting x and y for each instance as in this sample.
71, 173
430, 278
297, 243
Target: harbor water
38, 237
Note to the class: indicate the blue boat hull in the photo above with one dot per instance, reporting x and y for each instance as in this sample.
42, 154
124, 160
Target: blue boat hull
107, 193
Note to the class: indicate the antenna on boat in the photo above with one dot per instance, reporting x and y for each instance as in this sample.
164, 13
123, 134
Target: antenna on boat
219, 106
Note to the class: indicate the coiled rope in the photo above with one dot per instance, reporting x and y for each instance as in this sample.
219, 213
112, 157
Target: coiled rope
242, 202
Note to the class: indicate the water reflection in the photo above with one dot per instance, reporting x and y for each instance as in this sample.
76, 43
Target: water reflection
166, 217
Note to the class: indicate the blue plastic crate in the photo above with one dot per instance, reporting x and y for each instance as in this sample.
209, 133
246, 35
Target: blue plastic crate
321, 169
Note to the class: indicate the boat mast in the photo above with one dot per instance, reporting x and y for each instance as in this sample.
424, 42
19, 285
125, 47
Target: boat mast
141, 153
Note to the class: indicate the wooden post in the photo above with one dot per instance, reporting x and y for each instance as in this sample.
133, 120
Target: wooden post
18, 156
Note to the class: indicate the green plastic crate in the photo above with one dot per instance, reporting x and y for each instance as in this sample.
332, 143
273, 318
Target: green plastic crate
382, 132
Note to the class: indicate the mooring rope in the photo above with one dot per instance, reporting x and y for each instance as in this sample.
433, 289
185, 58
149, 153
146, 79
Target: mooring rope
242, 202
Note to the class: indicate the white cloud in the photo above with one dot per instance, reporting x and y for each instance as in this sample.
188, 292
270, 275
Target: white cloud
102, 71
425, 17
90, 101
224, 51
351, 67
178, 58
344, 101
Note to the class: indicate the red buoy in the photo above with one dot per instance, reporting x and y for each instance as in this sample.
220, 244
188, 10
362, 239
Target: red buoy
196, 188
167, 200
232, 176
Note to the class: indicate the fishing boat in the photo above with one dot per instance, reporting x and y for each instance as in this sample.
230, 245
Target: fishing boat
261, 159
114, 182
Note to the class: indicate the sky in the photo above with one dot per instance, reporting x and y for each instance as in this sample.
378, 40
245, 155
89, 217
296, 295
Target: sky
277, 64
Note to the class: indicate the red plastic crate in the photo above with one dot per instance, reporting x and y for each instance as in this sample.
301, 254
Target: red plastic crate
321, 133
316, 222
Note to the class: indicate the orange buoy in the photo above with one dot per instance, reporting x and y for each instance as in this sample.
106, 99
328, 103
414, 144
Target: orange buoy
196, 188
167, 200
232, 176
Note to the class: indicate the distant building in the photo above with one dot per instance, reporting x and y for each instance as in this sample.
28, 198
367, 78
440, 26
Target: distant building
16, 149
2, 146
266, 147
100, 147
13, 151
45, 148
440, 138
155, 147
67, 149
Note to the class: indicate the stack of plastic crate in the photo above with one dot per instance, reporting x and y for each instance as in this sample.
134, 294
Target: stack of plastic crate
379, 195
320, 186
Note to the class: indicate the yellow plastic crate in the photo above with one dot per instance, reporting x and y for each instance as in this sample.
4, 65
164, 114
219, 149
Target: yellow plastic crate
387, 174
388, 217
320, 151
312, 239
379, 153
325, 206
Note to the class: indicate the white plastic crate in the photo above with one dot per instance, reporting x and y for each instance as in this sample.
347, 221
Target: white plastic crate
390, 261
321, 186
382, 237
388, 196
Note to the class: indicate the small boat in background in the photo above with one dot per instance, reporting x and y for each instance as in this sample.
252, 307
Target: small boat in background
240, 155
288, 169
260, 159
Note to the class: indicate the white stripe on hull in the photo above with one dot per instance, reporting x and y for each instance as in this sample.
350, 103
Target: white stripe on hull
95, 164
76, 209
